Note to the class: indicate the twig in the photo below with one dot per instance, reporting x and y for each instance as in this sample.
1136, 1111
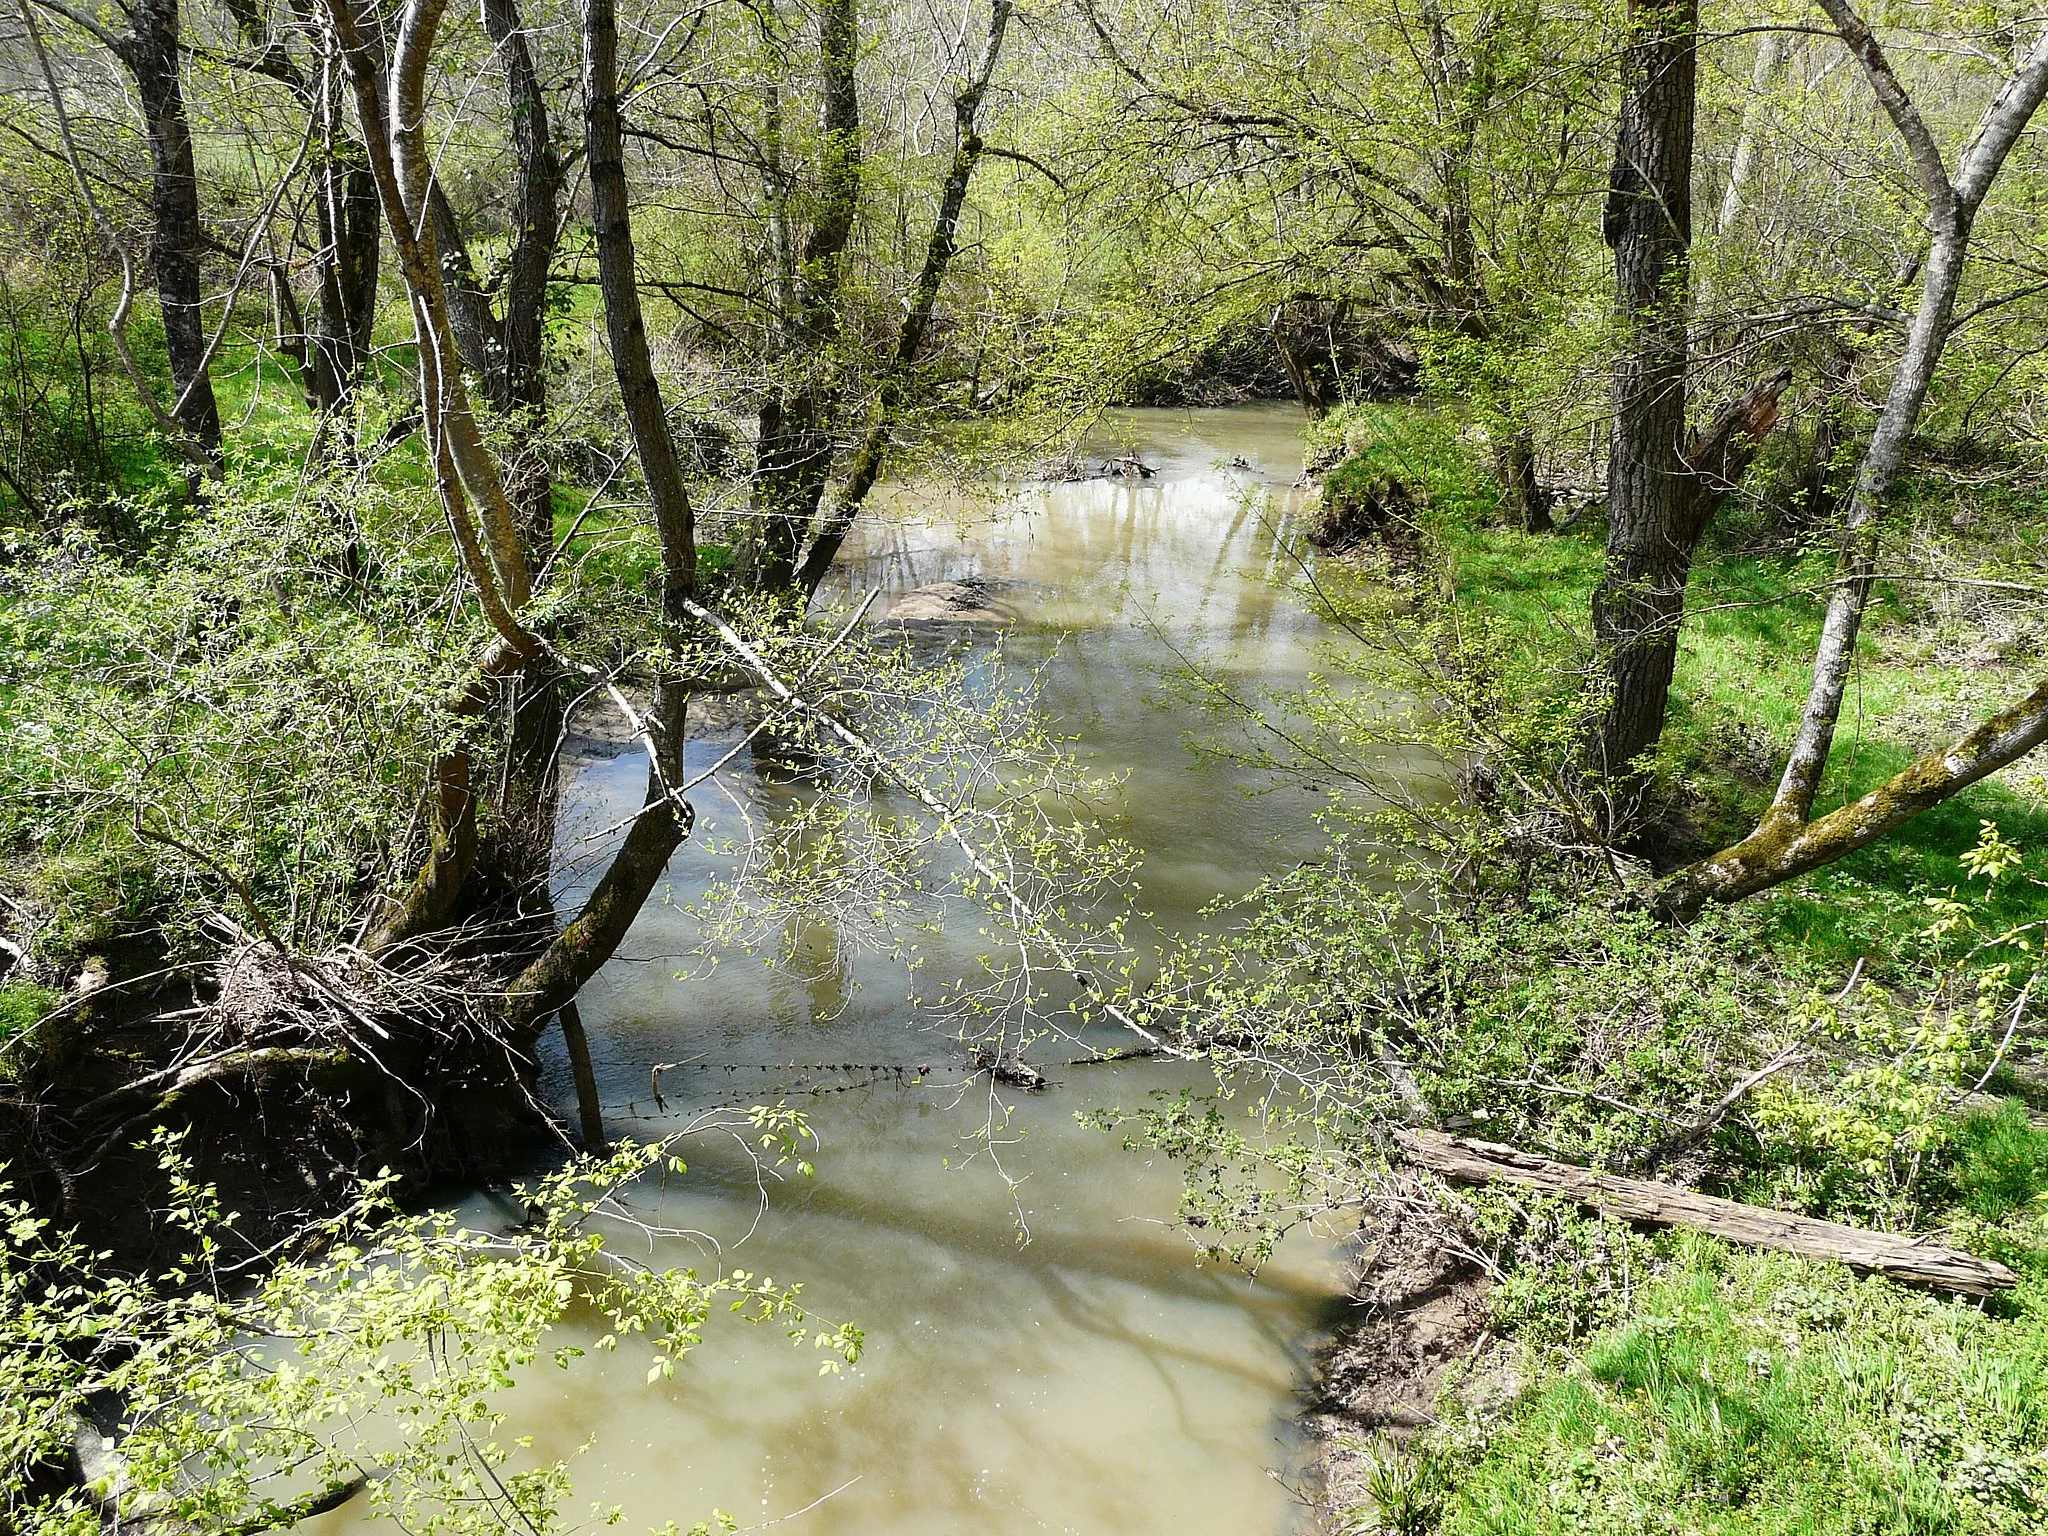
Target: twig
2019, 1006
1027, 919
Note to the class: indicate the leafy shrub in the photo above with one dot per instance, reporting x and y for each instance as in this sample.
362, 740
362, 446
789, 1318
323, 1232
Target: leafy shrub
96, 898
242, 719
411, 1321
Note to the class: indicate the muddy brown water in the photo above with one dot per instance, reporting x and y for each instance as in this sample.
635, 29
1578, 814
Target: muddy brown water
1093, 1379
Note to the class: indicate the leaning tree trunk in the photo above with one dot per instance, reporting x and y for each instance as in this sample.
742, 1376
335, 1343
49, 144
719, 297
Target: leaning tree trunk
1857, 563
506, 348
465, 474
151, 52
1784, 848
1653, 519
625, 327
1787, 842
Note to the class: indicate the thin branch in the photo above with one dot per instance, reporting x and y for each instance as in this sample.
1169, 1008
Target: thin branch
1029, 921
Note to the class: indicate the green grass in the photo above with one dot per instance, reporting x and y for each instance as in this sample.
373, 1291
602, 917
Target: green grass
22, 1006
1760, 1393
2000, 1163
1754, 617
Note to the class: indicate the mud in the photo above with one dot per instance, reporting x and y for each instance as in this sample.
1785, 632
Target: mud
1416, 1310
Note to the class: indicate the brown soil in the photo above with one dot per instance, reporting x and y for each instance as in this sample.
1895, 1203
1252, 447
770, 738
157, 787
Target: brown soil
1376, 523
1416, 1309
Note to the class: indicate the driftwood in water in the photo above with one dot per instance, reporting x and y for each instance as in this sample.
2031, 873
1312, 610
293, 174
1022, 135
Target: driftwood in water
1907, 1259
1007, 1067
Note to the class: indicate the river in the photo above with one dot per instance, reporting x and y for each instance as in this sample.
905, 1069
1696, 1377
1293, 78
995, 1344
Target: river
1093, 1379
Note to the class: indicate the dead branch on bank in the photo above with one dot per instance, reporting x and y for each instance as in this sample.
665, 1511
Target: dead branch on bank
1911, 1260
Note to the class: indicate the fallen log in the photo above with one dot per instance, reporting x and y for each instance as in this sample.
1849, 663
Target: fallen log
1914, 1261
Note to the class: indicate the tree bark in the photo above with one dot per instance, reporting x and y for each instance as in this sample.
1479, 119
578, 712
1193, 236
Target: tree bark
178, 241
1951, 212
619, 281
589, 1106
1860, 531
1786, 843
1653, 518
1522, 496
592, 937
334, 349
338, 340
794, 441
1906, 1259
466, 477
489, 546
1782, 848
506, 349
1771, 55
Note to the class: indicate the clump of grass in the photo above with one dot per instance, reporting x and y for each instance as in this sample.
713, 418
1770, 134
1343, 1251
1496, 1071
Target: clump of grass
23, 1006
1407, 1490
2000, 1162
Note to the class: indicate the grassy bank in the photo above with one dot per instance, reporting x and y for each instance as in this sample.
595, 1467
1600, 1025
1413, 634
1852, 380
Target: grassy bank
1939, 650
1753, 1392
1611, 1381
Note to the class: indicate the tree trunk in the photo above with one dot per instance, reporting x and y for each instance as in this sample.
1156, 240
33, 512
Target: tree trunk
1522, 497
338, 342
938, 257
792, 462
1653, 518
1858, 559
618, 280
1814, 498
178, 241
1784, 847
1786, 843
795, 440
1910, 1260
507, 350
1771, 54
589, 1106
334, 349
592, 937
465, 474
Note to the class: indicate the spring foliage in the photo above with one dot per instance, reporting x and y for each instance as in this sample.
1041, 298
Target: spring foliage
380, 1356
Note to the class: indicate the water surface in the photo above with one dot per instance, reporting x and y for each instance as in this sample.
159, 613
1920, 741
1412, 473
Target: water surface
1092, 1379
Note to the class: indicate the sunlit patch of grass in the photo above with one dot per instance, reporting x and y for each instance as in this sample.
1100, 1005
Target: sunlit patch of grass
2000, 1162
1763, 1394
1745, 657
